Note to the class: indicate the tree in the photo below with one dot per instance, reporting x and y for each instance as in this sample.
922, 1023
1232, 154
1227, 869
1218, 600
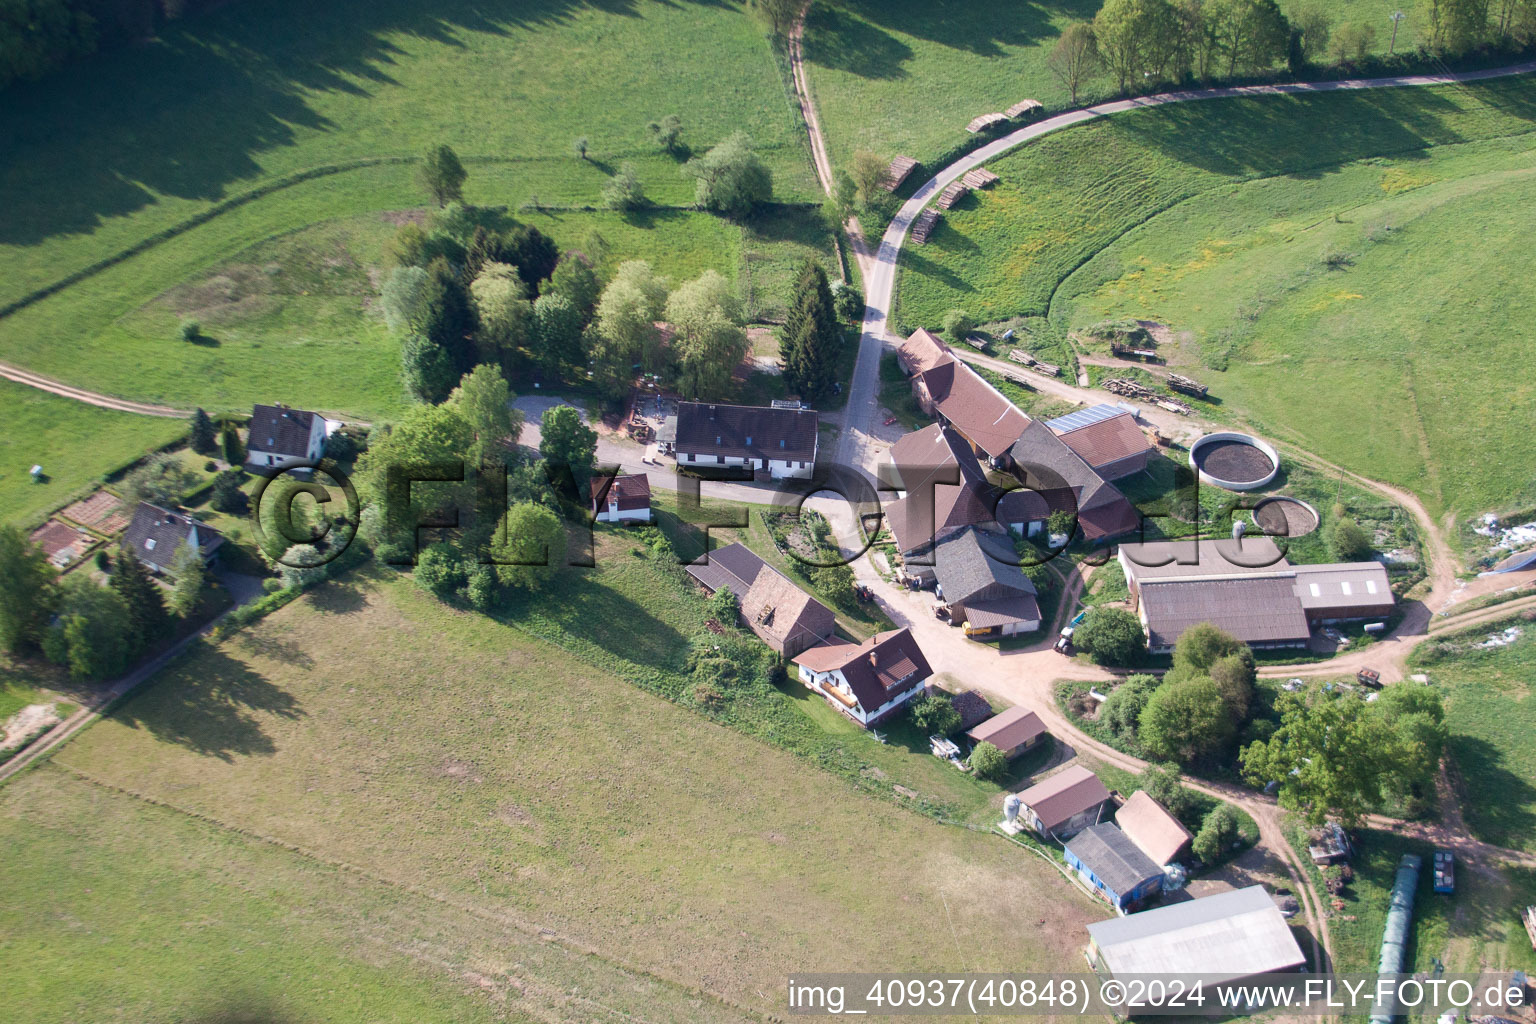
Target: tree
778, 15
575, 279
1074, 60
301, 567
28, 584
530, 546
191, 331
1137, 39
1165, 784
91, 635
1415, 714
1121, 711
426, 369
1351, 42
1111, 636
1454, 26
148, 617
666, 133
869, 173
227, 495
504, 313
1329, 757
202, 437
623, 191
1198, 49
442, 176
229, 440
39, 36
845, 196
935, 715
485, 402
1349, 541
1252, 34
1217, 834
959, 326
730, 178
848, 302
1235, 676
566, 441
448, 316
1201, 646
580, 146
556, 332
402, 298
988, 762
811, 338
709, 339
724, 607
533, 253
1313, 21
626, 318
160, 481
187, 573
427, 435
1185, 721
835, 583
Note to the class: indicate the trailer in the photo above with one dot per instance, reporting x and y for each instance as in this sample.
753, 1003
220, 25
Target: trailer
1369, 677
1445, 871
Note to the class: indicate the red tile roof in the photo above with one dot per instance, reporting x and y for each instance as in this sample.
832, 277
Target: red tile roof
631, 492
1070, 791
1107, 441
881, 667
1008, 729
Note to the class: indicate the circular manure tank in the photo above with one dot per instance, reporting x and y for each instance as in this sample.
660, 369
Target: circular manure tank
1236, 462
1285, 516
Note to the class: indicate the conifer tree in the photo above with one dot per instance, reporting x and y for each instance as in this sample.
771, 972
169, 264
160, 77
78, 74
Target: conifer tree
202, 433
812, 338
147, 613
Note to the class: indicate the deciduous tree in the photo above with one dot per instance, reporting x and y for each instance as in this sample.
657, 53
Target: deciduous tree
1074, 59
426, 369
566, 441
1186, 721
709, 340
577, 281
936, 715
1252, 34
988, 762
1137, 39
530, 547
1111, 636
730, 178
188, 574
556, 333
402, 297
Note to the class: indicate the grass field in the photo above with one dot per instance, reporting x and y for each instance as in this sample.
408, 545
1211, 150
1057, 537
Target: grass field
1491, 712
504, 777
927, 68
1473, 930
244, 99
1224, 220
73, 442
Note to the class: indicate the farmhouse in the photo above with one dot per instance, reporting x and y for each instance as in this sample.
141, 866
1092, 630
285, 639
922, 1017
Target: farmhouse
1248, 588
1056, 479
622, 498
985, 590
281, 437
1012, 731
157, 535
1106, 437
1229, 937
956, 395
868, 682
1064, 804
1156, 832
782, 615
779, 442
1105, 858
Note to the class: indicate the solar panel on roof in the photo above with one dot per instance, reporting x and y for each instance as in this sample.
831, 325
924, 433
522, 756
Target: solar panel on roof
1084, 418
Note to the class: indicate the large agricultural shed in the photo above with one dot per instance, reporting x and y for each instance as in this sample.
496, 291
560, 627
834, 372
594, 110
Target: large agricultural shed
1223, 938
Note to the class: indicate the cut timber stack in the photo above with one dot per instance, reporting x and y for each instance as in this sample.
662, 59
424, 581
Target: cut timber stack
901, 168
952, 194
1184, 384
1018, 355
1129, 388
979, 177
984, 121
924, 225
1023, 107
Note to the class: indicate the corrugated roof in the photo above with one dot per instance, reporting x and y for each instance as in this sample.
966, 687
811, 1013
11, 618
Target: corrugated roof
1343, 585
1003, 611
1254, 555
1114, 860
1231, 935
1108, 441
1152, 828
1007, 729
746, 431
1070, 791
1255, 610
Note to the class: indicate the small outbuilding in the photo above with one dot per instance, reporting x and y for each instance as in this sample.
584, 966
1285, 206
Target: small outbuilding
1155, 832
1064, 804
1012, 731
1105, 858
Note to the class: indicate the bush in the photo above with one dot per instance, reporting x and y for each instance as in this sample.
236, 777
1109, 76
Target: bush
103, 560
1349, 541
958, 325
191, 330
1217, 834
723, 607
1111, 636
848, 302
1121, 711
342, 447
227, 495
988, 762
936, 715
623, 191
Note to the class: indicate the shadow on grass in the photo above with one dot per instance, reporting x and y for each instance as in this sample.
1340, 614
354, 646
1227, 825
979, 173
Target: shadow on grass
1502, 808
217, 711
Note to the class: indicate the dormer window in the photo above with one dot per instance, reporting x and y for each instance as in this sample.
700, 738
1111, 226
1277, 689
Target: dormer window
781, 442
149, 545
749, 440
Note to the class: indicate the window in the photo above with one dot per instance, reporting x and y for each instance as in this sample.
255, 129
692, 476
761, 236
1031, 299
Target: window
1316, 590
149, 545
1370, 586
749, 440
1345, 587
781, 443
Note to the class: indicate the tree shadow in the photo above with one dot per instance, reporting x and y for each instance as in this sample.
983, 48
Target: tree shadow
339, 597
215, 709
1503, 811
914, 260
596, 614
978, 31
192, 114
835, 38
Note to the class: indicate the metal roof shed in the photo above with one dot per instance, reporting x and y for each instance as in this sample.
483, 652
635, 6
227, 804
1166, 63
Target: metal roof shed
1226, 937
